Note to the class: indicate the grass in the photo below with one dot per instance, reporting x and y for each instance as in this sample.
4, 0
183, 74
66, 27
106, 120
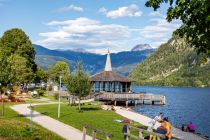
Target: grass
91, 114
16, 127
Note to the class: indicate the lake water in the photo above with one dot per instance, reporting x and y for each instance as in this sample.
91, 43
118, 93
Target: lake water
183, 104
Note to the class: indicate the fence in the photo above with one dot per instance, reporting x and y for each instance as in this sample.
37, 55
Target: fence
94, 131
141, 132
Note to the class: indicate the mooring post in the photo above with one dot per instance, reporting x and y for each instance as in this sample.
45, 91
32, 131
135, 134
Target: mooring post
164, 100
126, 102
136, 101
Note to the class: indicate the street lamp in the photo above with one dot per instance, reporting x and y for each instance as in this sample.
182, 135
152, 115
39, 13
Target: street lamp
59, 99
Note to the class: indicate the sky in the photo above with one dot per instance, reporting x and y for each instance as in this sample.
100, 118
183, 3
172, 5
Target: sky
93, 25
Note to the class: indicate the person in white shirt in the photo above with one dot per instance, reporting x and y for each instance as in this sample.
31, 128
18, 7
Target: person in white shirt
153, 122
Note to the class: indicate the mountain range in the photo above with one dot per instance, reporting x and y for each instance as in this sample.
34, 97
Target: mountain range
174, 63
122, 62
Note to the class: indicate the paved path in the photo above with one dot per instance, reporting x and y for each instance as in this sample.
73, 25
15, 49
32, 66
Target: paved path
64, 130
145, 120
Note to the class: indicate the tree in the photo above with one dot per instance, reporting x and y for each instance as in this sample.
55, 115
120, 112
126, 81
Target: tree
20, 73
61, 68
195, 15
40, 75
16, 41
4, 69
79, 84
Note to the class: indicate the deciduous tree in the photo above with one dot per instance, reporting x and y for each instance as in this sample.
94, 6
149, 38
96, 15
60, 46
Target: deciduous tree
79, 84
61, 68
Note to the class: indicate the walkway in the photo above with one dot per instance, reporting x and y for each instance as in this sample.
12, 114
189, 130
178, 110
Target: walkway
63, 130
145, 120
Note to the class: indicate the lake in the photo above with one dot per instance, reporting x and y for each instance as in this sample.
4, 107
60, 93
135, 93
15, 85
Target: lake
183, 104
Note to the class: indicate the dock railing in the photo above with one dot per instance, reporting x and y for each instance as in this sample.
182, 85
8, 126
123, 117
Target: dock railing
141, 134
129, 96
94, 132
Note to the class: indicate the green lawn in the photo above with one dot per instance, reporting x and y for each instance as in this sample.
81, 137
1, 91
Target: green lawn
16, 127
91, 114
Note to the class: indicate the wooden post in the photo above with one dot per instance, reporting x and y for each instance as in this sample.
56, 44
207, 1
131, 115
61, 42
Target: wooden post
94, 135
84, 133
126, 102
2, 101
108, 138
164, 100
115, 103
136, 101
128, 132
140, 135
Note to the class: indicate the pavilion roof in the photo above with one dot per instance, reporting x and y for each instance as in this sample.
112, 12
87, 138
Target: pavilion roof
109, 76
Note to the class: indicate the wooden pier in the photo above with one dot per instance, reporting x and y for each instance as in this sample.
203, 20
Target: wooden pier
134, 98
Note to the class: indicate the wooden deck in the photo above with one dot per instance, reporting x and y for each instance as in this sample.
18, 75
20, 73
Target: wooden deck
134, 98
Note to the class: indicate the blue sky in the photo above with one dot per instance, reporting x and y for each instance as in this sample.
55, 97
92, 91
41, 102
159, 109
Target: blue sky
94, 25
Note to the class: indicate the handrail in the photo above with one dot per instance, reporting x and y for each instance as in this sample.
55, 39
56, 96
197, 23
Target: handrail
94, 131
141, 131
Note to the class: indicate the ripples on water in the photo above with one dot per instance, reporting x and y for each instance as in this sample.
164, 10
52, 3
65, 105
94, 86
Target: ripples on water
183, 104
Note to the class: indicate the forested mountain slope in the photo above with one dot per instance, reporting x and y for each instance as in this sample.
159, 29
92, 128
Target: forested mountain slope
173, 64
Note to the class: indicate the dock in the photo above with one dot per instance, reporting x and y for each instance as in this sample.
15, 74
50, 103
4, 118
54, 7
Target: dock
134, 98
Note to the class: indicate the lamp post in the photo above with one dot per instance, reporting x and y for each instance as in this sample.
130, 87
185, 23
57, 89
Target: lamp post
59, 100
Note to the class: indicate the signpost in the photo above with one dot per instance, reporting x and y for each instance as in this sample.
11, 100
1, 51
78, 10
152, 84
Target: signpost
31, 114
59, 102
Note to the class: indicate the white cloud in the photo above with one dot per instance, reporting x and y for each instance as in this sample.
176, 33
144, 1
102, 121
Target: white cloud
126, 11
95, 36
70, 8
85, 32
160, 30
157, 14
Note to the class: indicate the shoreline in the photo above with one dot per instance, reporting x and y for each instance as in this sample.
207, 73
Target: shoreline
144, 120
170, 86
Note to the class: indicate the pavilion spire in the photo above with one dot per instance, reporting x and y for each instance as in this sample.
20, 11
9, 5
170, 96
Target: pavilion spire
108, 66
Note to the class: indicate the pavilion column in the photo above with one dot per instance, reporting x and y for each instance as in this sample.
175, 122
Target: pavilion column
126, 87
94, 86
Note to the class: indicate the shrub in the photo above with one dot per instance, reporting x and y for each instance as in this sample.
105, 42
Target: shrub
56, 96
41, 92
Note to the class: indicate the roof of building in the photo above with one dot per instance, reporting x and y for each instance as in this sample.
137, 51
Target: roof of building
109, 76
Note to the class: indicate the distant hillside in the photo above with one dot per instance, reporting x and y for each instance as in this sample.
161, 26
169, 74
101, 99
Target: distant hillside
122, 62
173, 64
44, 61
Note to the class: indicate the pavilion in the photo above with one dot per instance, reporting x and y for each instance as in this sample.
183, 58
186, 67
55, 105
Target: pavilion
109, 81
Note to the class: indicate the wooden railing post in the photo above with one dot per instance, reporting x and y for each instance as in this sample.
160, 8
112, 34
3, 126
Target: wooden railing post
140, 134
108, 137
94, 135
84, 133
128, 132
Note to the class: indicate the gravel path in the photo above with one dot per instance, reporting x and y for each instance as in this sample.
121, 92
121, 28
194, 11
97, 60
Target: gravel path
63, 130
145, 120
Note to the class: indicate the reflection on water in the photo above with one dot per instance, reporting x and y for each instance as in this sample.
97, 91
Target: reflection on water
183, 104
